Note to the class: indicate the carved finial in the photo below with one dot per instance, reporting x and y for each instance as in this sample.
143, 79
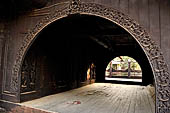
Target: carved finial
75, 1
74, 5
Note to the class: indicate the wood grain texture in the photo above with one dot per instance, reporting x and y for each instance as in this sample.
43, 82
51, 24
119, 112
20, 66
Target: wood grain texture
115, 4
98, 98
134, 9
154, 18
124, 6
144, 14
88, 1
108, 3
165, 28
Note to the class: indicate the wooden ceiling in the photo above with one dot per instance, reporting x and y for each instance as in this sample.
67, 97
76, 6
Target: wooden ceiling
102, 31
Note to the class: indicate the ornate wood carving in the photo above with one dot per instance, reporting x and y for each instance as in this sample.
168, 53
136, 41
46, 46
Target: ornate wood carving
28, 74
152, 51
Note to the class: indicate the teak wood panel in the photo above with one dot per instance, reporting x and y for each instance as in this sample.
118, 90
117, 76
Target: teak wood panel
165, 29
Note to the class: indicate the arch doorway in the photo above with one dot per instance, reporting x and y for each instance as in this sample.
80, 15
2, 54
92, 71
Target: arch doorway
57, 62
150, 49
124, 68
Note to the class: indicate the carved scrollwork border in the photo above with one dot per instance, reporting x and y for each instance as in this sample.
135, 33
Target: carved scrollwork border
152, 51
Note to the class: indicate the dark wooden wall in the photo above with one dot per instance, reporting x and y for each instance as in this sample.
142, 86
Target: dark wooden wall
1, 47
153, 15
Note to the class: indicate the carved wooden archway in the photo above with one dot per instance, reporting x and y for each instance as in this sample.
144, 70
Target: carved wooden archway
152, 51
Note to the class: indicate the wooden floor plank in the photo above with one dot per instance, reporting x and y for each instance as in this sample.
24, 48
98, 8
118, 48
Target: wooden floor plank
126, 106
142, 97
117, 101
104, 102
150, 100
132, 102
124, 100
138, 108
98, 98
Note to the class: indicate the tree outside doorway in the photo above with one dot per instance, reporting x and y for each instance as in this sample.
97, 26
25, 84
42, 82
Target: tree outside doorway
123, 67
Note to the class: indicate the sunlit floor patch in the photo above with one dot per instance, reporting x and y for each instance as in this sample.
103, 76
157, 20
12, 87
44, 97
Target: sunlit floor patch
98, 98
124, 79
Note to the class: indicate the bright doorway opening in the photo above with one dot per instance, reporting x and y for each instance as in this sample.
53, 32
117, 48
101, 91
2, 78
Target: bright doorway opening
123, 68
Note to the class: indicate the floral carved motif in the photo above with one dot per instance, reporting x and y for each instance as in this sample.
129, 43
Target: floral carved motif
152, 51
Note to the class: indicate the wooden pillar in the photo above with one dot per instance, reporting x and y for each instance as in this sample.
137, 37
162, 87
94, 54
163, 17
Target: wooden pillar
129, 63
110, 74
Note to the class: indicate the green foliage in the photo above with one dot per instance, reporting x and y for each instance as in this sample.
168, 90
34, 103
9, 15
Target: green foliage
124, 63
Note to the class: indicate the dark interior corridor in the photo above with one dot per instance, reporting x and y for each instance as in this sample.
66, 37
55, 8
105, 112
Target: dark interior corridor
60, 56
